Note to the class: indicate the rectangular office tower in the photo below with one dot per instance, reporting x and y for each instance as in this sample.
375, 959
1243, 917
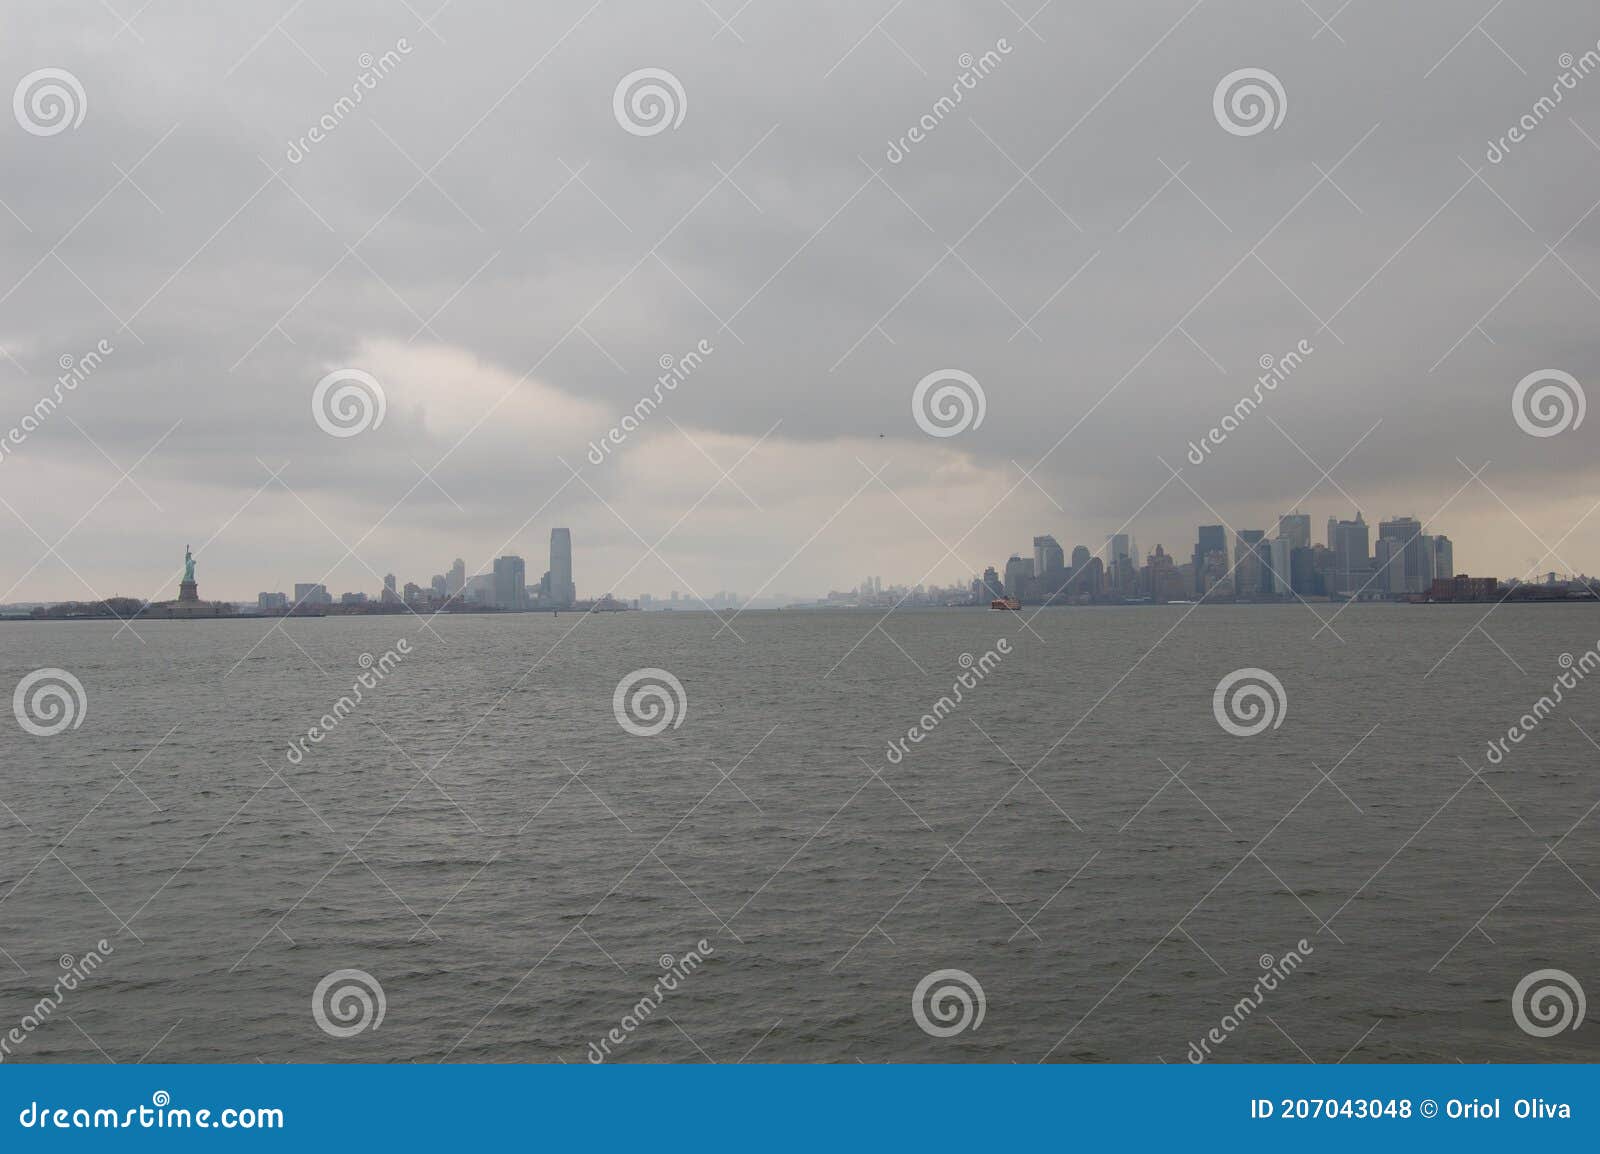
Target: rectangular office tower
562, 591
1210, 550
1408, 532
1352, 562
311, 593
1252, 574
1296, 529
510, 583
1048, 557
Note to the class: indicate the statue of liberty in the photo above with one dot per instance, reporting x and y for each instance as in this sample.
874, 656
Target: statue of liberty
188, 564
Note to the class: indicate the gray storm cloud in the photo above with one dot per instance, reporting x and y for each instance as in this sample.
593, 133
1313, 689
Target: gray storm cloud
255, 198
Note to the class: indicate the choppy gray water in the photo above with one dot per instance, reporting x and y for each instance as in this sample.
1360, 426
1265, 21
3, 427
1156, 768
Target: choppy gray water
1036, 839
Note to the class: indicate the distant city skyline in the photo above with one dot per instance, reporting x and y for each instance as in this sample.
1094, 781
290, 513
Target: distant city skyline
1242, 564
1391, 557
514, 316
504, 585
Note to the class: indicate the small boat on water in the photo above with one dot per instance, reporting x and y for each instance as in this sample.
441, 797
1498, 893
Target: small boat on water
1010, 603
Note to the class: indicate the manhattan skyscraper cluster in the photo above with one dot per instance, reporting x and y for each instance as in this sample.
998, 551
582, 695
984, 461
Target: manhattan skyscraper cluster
1397, 558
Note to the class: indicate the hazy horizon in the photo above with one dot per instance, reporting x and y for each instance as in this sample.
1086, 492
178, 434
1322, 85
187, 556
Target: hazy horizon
511, 250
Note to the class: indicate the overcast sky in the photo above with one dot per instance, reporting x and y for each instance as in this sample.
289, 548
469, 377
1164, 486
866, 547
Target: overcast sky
484, 236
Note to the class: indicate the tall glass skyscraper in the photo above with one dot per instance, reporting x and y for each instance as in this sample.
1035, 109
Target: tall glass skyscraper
1252, 572
562, 591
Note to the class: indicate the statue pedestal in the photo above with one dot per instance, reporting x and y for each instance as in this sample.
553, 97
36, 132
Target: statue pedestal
188, 591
